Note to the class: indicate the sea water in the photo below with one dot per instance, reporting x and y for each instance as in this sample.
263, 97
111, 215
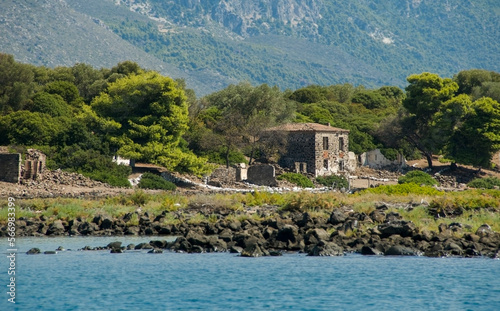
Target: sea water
137, 280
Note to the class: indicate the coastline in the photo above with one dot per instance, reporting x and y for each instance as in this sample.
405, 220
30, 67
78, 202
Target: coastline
344, 231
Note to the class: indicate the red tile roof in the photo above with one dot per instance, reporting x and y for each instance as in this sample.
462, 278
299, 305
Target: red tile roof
306, 127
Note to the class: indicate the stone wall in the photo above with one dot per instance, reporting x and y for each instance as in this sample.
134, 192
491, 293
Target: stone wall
331, 153
10, 167
262, 175
375, 159
34, 165
300, 154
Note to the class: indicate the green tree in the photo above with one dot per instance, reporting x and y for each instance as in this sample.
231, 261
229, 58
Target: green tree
153, 115
67, 90
51, 104
370, 99
425, 95
29, 128
239, 114
16, 84
476, 135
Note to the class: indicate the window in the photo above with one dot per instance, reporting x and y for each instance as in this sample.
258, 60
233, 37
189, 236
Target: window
325, 164
341, 165
325, 143
303, 167
341, 143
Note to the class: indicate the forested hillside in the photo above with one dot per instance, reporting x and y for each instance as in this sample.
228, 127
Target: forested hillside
81, 117
288, 43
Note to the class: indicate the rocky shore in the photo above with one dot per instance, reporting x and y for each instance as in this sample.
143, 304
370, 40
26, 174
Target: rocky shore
379, 233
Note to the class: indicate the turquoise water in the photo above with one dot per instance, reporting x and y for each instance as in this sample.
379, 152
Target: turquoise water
98, 280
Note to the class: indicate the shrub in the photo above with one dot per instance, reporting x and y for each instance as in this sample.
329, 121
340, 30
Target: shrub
485, 183
418, 177
403, 189
139, 198
334, 181
298, 179
152, 181
304, 201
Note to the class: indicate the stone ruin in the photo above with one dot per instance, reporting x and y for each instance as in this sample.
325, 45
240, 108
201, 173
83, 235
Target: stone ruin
12, 171
34, 164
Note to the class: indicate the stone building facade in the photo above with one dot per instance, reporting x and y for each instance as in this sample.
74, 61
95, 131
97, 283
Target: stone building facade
315, 149
10, 167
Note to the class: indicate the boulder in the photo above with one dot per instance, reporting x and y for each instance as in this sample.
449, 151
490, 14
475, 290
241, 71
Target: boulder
288, 233
56, 228
253, 251
484, 230
400, 250
401, 227
155, 251
144, 246
337, 217
33, 251
313, 236
116, 244
366, 250
326, 249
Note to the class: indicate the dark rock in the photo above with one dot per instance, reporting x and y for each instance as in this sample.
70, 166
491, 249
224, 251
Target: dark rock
306, 221
106, 223
196, 249
366, 250
132, 230
402, 228
194, 238
313, 236
378, 216
116, 251
155, 251
56, 228
400, 250
226, 235
50, 252
453, 248
275, 253
143, 246
337, 217
484, 230
33, 251
130, 247
181, 244
235, 225
159, 244
252, 251
392, 216
116, 244
235, 249
288, 233
326, 249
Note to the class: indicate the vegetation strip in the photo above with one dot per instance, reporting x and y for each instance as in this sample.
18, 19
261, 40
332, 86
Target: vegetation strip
258, 224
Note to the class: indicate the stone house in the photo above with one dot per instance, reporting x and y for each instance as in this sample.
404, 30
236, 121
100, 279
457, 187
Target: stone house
316, 149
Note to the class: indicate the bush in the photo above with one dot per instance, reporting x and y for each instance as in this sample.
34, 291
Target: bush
485, 183
417, 177
152, 181
298, 179
403, 189
334, 181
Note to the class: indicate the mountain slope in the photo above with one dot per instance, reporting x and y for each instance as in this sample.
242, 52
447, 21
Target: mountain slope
51, 33
289, 43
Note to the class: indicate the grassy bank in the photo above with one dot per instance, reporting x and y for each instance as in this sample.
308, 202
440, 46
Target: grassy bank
424, 206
